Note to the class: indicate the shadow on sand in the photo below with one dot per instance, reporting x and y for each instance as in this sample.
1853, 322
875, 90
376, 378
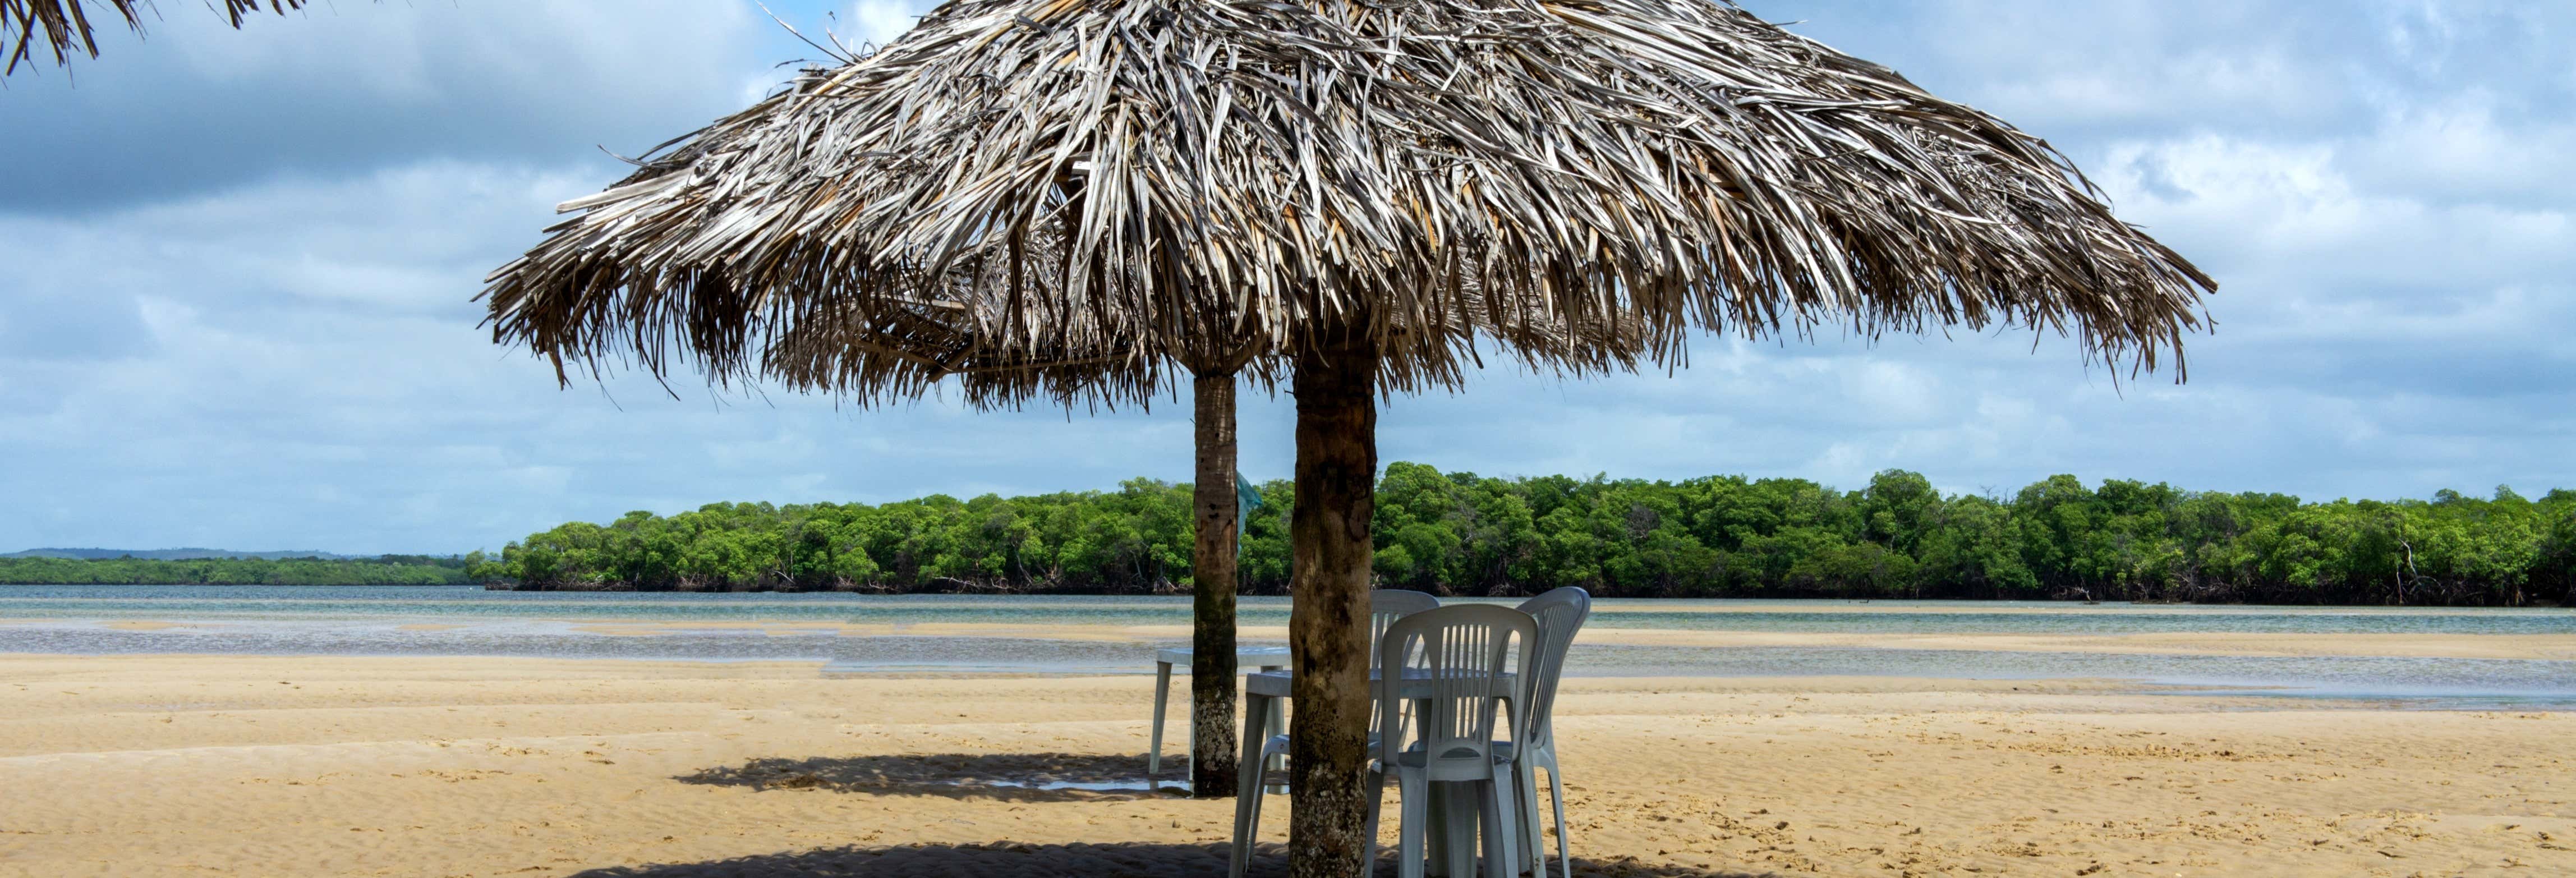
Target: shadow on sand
1006, 860
1015, 777
1018, 777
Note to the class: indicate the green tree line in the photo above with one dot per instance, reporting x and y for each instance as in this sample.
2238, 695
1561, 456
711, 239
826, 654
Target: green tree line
387, 570
1720, 536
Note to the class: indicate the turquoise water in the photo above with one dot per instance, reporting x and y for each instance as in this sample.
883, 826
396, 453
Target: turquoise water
372, 620
451, 604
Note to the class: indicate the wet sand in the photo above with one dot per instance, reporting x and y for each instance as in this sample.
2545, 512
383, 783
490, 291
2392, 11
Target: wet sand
133, 765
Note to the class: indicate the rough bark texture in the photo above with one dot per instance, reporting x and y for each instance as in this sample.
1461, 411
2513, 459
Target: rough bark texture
1212, 733
1327, 624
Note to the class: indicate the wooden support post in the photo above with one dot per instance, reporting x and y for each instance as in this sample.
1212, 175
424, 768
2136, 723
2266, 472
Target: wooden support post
1336, 387
1212, 564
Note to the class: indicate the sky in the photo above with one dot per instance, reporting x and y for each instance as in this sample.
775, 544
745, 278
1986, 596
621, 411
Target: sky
237, 273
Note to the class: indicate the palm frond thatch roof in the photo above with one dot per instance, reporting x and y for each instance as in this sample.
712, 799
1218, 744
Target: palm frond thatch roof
1094, 186
900, 353
64, 26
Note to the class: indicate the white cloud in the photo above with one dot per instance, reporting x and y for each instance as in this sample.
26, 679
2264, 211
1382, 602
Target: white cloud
264, 338
2459, 150
349, 87
879, 22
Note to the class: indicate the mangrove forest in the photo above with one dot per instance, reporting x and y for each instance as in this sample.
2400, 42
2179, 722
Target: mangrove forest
1719, 536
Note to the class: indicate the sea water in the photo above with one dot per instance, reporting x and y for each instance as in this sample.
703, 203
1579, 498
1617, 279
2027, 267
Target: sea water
435, 620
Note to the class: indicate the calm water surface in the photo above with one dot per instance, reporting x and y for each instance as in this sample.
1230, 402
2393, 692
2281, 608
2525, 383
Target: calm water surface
374, 620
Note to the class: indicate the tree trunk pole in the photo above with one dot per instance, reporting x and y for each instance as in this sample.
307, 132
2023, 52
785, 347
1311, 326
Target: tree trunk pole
1336, 386
1212, 562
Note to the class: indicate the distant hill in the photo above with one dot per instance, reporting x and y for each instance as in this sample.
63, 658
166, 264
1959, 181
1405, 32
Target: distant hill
171, 554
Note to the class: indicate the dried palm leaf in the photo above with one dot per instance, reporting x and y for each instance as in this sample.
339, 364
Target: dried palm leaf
65, 24
1056, 197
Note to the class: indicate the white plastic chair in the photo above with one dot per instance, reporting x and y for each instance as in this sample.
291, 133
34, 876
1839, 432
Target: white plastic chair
1455, 665
1559, 613
1386, 605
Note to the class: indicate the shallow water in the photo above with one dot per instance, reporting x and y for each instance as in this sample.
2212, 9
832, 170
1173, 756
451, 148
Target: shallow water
453, 603
373, 620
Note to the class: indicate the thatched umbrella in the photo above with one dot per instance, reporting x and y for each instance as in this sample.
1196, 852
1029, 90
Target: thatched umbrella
1076, 193
65, 24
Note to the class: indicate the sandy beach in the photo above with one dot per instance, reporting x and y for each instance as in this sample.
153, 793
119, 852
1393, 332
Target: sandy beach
135, 765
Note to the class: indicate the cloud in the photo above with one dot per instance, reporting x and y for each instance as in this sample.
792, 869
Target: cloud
298, 360
2161, 67
238, 312
2465, 151
879, 21
349, 87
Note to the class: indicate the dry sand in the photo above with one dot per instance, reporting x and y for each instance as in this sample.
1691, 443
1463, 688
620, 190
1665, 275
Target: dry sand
187, 765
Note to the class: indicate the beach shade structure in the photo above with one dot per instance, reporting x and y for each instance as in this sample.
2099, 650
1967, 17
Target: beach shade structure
1076, 200
67, 26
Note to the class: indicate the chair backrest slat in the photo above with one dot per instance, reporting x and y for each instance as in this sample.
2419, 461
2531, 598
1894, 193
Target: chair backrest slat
1457, 660
1560, 613
1385, 606
1389, 604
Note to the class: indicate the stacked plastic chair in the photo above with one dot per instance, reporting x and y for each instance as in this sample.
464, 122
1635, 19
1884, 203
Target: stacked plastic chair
1386, 606
1559, 613
1482, 723
1464, 672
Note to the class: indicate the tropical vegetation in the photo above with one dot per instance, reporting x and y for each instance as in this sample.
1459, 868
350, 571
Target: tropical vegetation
1718, 536
385, 570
